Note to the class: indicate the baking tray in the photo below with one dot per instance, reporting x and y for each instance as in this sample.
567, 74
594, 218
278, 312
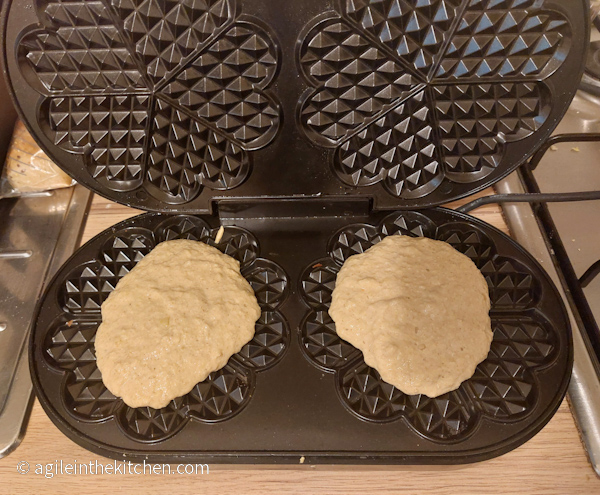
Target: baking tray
169, 105
297, 389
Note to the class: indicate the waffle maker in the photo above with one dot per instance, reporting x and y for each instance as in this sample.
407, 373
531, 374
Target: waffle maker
309, 131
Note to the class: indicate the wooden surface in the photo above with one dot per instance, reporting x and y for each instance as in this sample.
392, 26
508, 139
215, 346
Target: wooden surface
552, 462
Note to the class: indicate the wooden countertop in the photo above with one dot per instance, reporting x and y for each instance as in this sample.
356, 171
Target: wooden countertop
552, 462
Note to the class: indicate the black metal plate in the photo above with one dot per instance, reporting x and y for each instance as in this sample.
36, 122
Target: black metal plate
297, 389
167, 105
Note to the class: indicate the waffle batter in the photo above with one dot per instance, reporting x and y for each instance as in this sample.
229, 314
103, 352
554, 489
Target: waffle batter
418, 310
179, 315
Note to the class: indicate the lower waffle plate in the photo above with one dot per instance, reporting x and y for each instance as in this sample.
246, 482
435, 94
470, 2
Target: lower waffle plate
297, 389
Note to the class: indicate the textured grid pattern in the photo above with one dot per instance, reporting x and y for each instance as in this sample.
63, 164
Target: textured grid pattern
85, 52
357, 80
269, 282
147, 424
193, 81
111, 128
185, 155
354, 239
428, 132
71, 347
89, 285
221, 395
503, 386
69, 344
445, 417
410, 223
318, 282
468, 241
167, 31
371, 155
368, 395
321, 343
511, 286
474, 120
123, 252
183, 227
241, 245
414, 30
269, 343
502, 39
221, 85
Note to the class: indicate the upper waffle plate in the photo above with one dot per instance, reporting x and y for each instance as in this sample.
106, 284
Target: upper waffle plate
166, 105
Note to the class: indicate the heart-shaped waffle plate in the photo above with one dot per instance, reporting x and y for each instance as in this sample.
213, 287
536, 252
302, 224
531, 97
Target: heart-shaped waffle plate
297, 389
167, 105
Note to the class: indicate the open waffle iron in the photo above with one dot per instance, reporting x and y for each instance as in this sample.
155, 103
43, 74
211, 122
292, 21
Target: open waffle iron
309, 130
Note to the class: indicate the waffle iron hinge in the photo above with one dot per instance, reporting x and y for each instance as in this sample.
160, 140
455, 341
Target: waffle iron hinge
301, 208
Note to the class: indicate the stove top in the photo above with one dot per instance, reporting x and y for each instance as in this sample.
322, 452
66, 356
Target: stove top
577, 223
565, 238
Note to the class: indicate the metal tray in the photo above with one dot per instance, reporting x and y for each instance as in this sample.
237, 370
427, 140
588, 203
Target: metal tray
297, 389
169, 105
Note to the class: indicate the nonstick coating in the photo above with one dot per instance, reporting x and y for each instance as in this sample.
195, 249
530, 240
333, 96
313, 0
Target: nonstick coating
297, 389
167, 106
